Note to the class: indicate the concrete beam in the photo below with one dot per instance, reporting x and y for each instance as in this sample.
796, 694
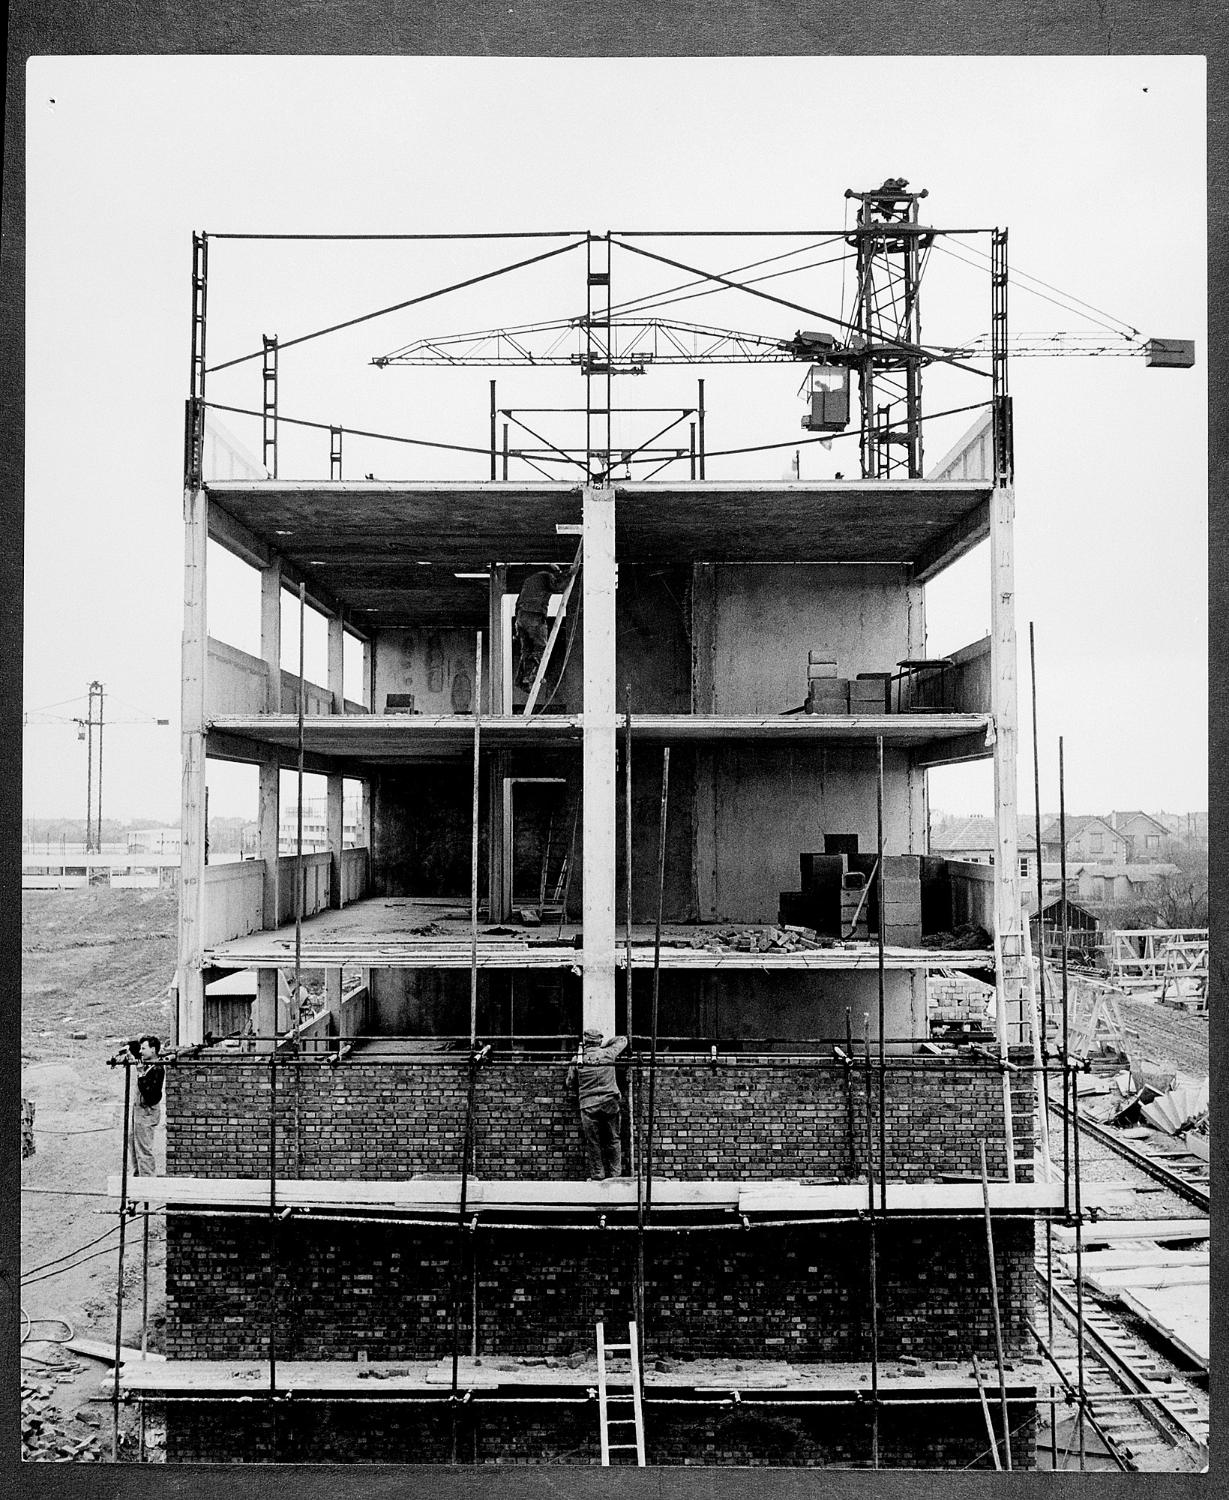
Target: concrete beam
951, 544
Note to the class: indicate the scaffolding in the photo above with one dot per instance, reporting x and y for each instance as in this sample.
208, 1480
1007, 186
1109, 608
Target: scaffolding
882, 340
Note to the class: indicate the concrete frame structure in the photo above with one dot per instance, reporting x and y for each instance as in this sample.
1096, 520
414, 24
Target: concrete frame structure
698, 604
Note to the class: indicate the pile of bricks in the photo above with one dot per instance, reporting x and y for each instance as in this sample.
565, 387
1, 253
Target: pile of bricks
48, 1436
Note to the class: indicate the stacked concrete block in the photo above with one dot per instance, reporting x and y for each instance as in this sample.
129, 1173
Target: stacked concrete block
870, 693
902, 899
826, 692
855, 907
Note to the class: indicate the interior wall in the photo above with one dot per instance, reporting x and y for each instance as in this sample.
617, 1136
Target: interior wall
741, 1004
765, 618
771, 803
435, 665
435, 1002
653, 638
422, 831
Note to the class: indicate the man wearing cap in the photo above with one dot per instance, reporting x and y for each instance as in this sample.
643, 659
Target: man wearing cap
531, 623
601, 1106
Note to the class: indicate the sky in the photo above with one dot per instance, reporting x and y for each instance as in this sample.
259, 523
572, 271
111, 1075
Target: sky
1095, 165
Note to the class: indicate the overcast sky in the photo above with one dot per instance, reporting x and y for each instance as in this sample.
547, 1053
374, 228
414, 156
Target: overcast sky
1095, 165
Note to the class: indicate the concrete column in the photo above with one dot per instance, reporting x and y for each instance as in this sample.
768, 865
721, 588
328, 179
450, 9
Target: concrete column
598, 772
335, 831
270, 813
1003, 707
336, 667
498, 873
266, 1007
495, 638
919, 818
369, 673
703, 701
190, 1011
271, 631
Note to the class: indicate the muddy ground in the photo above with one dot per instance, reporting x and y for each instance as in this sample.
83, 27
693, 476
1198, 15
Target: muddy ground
96, 965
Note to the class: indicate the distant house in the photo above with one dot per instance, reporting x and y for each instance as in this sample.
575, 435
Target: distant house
1090, 840
1085, 931
974, 840
1148, 838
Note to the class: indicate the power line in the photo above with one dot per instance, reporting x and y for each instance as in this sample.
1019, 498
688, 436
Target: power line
456, 286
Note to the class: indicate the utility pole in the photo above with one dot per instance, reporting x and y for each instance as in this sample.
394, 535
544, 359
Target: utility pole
93, 799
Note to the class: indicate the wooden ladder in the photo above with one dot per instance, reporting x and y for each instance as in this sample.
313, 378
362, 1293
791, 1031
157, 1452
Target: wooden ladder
622, 1391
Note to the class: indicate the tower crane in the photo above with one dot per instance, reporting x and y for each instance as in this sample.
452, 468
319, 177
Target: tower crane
880, 342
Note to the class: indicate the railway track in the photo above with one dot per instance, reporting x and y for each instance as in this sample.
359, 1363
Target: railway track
1145, 1417
1181, 1172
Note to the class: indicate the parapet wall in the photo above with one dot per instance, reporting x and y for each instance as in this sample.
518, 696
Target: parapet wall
740, 1119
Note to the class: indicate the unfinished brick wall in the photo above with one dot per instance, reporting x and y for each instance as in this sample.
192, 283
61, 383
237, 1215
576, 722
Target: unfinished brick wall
798, 1294
939, 1437
740, 1120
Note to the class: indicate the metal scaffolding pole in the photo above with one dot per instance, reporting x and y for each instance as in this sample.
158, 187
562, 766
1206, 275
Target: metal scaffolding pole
1068, 1114
661, 890
873, 1257
473, 853
1079, 1273
994, 1302
881, 935
119, 1281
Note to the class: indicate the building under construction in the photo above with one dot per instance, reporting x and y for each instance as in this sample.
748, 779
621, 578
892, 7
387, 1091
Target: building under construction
695, 815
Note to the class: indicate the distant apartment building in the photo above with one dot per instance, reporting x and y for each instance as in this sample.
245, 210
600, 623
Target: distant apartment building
315, 826
153, 841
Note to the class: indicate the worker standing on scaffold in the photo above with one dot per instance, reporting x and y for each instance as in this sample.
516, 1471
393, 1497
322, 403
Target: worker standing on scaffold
147, 1111
592, 1074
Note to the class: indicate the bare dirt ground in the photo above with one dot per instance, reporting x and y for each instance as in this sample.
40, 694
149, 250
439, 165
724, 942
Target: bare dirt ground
96, 965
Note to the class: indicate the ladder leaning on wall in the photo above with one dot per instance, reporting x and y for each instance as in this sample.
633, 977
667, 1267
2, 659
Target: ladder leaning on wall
622, 1390
1015, 987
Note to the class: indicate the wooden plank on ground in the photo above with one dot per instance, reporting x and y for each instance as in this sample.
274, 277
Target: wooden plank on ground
1106, 1231
1144, 1254
1111, 1283
97, 1350
1179, 1314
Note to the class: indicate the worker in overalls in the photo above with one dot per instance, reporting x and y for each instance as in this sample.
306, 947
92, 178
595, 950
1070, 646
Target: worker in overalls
592, 1074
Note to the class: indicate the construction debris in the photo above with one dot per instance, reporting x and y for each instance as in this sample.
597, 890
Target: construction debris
47, 1435
1178, 1111
968, 937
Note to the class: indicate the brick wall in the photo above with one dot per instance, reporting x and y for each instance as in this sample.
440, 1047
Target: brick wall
739, 1120
793, 1294
935, 1437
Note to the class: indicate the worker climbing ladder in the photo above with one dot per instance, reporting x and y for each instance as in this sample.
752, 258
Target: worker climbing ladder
620, 1390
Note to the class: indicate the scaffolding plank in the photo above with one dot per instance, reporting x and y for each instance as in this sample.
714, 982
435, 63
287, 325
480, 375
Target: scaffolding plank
435, 1196
384, 1378
1106, 1231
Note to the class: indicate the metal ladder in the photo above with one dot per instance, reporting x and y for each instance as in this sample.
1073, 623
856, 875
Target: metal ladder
623, 1391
